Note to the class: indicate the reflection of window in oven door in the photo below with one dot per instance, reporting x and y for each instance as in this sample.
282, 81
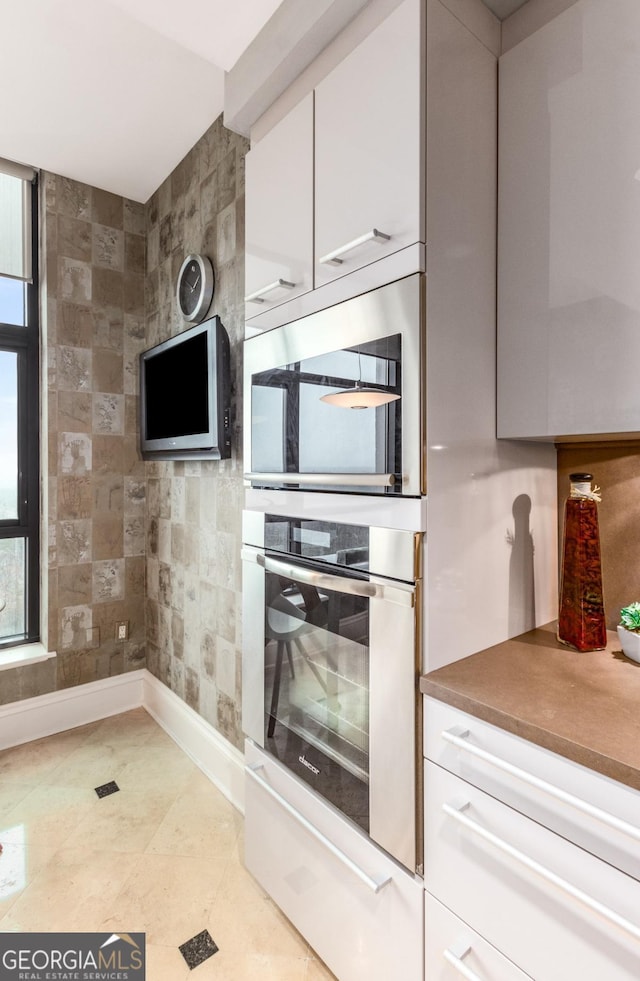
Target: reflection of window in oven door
328, 704
348, 626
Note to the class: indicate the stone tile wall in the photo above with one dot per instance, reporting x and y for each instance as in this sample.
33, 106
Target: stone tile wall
92, 279
95, 266
194, 508
113, 520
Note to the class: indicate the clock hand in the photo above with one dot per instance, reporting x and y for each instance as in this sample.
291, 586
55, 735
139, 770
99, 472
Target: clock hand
196, 282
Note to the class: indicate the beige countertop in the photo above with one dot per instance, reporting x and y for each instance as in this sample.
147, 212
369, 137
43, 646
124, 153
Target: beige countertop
583, 706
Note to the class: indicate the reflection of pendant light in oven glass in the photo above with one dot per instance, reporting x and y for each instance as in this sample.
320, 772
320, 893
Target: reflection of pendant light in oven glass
360, 396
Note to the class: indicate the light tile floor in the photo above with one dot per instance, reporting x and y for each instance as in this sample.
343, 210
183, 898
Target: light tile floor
162, 856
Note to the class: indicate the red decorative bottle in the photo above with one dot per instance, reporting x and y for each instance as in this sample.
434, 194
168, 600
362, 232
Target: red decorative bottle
581, 623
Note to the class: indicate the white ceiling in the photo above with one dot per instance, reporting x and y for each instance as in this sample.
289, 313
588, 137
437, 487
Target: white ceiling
115, 92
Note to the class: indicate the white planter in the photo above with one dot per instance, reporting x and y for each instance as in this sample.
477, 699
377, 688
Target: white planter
630, 643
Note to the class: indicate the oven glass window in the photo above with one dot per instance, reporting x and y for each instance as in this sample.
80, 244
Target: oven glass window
317, 689
293, 431
329, 435
268, 409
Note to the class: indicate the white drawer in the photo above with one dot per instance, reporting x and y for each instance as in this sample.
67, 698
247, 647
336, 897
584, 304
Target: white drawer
454, 951
550, 907
599, 814
322, 873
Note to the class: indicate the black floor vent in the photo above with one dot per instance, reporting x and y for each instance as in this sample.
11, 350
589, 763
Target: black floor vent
107, 788
198, 949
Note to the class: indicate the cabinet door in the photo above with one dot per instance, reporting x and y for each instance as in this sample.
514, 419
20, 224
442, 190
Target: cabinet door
569, 226
590, 809
279, 212
553, 909
454, 951
358, 909
368, 149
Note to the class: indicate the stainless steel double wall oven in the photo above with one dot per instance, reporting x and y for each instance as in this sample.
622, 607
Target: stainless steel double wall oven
332, 606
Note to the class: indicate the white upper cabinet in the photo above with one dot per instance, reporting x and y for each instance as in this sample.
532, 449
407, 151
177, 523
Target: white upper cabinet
569, 226
279, 212
339, 182
368, 152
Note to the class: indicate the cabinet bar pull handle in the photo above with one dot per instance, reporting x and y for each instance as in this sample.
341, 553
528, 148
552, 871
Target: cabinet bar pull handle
343, 479
361, 240
454, 956
458, 736
456, 812
374, 884
257, 296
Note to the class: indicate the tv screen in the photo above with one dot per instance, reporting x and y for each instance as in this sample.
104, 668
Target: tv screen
184, 395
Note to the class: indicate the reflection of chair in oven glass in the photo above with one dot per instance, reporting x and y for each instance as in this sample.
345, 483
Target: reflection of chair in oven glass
330, 631
290, 614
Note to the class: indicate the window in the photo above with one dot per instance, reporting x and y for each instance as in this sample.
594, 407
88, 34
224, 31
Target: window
19, 408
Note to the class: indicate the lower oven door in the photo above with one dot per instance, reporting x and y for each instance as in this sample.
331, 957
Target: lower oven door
330, 689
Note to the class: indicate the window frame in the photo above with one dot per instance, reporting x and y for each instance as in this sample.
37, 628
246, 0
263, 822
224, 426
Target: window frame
25, 342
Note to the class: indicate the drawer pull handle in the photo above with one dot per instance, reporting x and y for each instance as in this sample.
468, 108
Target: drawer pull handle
257, 296
459, 737
374, 884
454, 955
361, 240
457, 813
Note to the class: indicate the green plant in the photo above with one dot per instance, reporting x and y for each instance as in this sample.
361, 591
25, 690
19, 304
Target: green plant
630, 617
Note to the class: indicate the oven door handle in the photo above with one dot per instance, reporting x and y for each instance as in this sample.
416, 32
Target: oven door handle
399, 593
322, 479
374, 884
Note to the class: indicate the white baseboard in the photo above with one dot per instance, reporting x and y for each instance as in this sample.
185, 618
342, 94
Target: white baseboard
222, 763
44, 715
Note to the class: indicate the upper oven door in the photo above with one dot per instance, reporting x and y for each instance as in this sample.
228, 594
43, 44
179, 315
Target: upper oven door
296, 439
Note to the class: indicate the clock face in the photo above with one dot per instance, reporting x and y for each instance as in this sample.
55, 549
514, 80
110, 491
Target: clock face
194, 289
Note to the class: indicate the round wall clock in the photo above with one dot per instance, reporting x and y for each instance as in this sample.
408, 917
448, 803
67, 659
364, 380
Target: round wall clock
194, 288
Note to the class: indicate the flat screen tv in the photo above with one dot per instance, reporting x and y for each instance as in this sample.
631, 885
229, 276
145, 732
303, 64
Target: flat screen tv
185, 396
